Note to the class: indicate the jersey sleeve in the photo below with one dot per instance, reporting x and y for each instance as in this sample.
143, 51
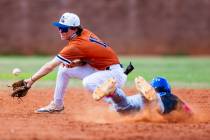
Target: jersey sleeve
62, 59
69, 53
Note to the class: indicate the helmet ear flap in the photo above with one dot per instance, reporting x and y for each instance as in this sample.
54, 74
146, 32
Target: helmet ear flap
160, 84
162, 89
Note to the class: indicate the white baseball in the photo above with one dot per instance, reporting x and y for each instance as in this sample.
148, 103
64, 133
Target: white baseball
16, 71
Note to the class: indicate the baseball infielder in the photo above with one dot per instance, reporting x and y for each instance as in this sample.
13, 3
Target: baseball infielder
88, 58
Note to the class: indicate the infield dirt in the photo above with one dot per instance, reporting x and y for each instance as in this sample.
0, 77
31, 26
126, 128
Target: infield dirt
84, 118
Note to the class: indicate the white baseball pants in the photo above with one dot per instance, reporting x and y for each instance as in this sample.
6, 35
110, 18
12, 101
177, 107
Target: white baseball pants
91, 79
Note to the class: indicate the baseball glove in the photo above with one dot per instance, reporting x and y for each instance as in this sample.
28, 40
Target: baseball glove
19, 88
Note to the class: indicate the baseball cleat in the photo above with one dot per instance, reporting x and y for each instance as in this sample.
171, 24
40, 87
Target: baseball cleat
182, 106
145, 89
105, 89
50, 108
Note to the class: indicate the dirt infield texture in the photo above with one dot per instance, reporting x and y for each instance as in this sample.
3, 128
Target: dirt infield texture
84, 118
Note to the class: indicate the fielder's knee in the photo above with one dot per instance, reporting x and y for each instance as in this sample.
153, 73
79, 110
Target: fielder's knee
90, 86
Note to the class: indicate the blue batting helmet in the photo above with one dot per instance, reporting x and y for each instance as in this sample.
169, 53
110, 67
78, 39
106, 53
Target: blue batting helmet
160, 84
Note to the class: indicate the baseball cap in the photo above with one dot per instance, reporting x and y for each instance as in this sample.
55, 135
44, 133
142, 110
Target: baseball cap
68, 20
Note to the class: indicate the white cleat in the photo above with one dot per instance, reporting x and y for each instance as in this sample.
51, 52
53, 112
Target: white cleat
105, 89
145, 89
50, 108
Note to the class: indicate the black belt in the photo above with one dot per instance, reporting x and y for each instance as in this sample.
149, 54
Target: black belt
108, 68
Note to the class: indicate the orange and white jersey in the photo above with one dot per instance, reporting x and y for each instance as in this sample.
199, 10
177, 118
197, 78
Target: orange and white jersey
89, 48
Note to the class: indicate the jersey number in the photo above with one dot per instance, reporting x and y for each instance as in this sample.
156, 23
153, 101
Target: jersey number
98, 42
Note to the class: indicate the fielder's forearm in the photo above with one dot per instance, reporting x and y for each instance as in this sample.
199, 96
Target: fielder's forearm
44, 70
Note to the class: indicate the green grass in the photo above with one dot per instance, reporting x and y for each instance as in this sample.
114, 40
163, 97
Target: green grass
193, 72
